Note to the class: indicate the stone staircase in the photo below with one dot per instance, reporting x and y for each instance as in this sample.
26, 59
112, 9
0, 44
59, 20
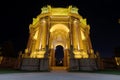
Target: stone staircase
59, 68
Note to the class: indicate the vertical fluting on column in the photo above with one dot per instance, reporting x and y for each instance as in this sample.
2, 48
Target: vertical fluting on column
47, 35
48, 32
75, 34
33, 42
70, 33
41, 33
38, 38
80, 37
71, 38
88, 45
29, 43
86, 42
44, 34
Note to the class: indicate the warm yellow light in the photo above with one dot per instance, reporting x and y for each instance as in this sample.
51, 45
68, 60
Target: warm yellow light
74, 10
59, 44
35, 20
77, 54
37, 54
83, 36
43, 20
84, 54
59, 11
26, 50
83, 21
40, 46
117, 59
1, 58
80, 54
36, 35
44, 10
59, 27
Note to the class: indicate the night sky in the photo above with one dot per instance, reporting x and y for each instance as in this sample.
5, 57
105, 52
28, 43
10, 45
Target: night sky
102, 16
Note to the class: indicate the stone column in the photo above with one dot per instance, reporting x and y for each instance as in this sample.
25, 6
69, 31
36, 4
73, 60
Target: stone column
38, 39
33, 42
71, 38
65, 58
80, 38
47, 36
53, 56
78, 29
75, 37
89, 45
40, 35
70, 33
29, 43
44, 33
48, 32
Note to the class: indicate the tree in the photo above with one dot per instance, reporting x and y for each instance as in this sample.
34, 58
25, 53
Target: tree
8, 50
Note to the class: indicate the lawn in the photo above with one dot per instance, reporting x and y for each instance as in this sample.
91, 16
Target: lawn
5, 71
116, 72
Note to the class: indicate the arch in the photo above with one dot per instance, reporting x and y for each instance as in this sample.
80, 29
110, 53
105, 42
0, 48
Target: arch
58, 35
59, 55
60, 27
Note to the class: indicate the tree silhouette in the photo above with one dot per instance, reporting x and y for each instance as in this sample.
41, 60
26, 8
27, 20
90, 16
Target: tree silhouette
8, 50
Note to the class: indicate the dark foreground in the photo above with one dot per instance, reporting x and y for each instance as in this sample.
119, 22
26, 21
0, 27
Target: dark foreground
58, 75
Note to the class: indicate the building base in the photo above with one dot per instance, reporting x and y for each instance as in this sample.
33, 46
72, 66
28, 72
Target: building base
86, 64
35, 64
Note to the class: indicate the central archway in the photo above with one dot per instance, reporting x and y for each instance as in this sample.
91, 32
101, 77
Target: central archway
59, 35
59, 43
59, 55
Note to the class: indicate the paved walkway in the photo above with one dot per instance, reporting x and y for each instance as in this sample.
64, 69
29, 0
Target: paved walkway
58, 75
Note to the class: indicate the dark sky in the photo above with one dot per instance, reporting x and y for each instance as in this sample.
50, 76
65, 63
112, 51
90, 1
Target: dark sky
102, 15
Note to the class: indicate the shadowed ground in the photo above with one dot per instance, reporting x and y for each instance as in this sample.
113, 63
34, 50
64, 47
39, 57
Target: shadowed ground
58, 75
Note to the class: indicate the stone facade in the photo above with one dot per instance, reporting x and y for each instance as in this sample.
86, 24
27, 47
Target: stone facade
59, 26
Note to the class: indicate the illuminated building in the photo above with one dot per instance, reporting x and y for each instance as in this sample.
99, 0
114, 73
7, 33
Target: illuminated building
59, 27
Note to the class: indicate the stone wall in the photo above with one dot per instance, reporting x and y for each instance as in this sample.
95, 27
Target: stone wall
35, 64
8, 62
85, 64
88, 64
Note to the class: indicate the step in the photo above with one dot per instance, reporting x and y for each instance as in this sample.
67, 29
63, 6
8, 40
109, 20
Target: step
58, 68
